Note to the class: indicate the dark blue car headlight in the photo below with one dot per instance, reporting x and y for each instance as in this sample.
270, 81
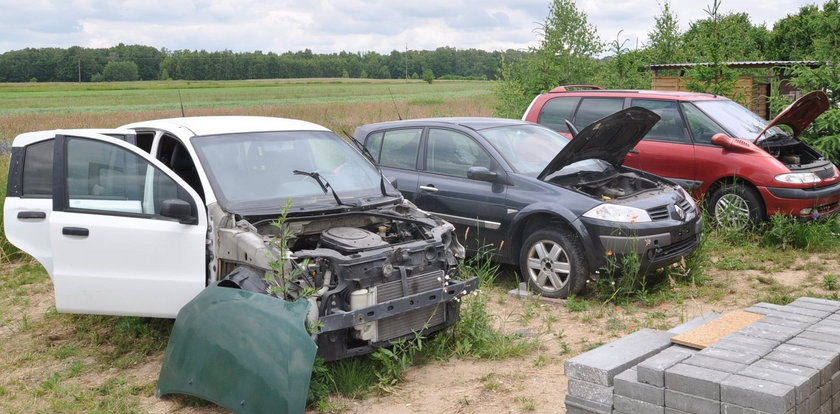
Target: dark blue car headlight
618, 213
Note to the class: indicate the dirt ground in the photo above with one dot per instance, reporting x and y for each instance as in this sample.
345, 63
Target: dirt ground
533, 383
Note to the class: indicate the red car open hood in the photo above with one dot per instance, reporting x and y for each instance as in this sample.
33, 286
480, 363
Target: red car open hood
800, 114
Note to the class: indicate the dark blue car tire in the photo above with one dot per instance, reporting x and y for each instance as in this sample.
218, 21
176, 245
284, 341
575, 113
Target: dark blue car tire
553, 263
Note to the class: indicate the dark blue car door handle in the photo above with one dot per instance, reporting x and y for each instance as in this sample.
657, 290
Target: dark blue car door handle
429, 187
31, 215
75, 231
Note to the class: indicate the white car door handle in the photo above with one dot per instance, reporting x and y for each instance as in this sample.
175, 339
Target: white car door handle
430, 188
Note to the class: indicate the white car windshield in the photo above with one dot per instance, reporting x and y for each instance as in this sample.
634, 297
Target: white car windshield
740, 122
256, 171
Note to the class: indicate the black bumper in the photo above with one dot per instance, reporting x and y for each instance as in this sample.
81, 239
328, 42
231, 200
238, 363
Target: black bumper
657, 244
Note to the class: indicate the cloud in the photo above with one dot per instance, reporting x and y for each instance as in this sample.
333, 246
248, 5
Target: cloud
327, 26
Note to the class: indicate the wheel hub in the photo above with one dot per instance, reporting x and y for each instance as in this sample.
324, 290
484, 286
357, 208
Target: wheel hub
732, 210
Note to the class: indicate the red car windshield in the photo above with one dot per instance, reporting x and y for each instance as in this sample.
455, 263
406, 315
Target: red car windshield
740, 122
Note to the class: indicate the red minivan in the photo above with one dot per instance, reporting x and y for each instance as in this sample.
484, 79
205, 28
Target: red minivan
742, 166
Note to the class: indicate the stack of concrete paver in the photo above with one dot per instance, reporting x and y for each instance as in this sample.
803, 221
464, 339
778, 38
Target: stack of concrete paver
788, 362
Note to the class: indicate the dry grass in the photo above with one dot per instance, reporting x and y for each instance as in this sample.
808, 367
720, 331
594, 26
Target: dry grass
336, 116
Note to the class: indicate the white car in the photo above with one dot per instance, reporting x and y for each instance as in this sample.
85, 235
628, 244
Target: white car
160, 217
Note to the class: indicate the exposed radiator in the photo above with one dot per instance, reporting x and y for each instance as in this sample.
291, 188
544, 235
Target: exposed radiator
413, 321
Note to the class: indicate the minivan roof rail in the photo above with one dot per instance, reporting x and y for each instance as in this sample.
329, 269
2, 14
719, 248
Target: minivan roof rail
565, 88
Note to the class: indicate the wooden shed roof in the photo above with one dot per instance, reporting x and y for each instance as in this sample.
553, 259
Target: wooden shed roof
739, 65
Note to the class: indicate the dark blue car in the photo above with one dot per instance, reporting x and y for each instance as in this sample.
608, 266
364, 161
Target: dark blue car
557, 208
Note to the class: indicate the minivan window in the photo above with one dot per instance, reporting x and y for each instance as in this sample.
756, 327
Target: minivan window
556, 111
670, 126
593, 109
702, 127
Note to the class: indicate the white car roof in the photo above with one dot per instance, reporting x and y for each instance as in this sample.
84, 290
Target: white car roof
214, 125
27, 138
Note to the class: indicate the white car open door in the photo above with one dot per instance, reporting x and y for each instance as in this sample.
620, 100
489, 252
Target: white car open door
118, 232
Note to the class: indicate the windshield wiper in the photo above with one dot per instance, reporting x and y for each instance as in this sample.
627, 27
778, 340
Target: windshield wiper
323, 183
364, 150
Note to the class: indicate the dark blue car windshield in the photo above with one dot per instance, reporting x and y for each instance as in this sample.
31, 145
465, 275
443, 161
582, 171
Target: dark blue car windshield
527, 148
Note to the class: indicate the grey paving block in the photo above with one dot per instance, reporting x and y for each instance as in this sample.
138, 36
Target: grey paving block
629, 405
835, 383
580, 405
835, 402
819, 336
590, 391
825, 327
831, 321
627, 385
813, 343
794, 317
716, 364
818, 300
825, 408
601, 364
813, 375
729, 355
771, 332
760, 346
832, 357
726, 408
757, 394
652, 370
790, 308
699, 381
691, 403
804, 386
775, 320
813, 403
810, 304
819, 364
738, 346
698, 321
764, 308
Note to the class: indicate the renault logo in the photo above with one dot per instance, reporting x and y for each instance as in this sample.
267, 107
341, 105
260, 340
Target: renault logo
680, 212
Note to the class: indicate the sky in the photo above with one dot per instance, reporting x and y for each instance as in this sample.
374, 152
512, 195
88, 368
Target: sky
325, 26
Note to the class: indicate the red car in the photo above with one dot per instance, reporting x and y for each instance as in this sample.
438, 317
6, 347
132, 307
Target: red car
742, 166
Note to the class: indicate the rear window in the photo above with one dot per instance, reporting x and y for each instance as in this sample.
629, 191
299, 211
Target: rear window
38, 169
556, 111
399, 148
593, 109
670, 126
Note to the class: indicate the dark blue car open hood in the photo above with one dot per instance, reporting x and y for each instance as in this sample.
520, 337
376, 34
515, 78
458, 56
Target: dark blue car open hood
608, 139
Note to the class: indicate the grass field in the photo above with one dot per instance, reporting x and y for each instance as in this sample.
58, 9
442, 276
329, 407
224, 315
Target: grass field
164, 95
336, 103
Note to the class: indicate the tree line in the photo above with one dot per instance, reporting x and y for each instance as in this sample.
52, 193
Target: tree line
570, 52
138, 62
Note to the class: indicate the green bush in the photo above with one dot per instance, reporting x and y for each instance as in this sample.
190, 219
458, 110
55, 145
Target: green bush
787, 232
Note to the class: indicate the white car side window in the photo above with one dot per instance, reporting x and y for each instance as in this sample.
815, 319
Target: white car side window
105, 177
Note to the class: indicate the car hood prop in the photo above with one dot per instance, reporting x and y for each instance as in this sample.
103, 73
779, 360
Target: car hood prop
799, 114
245, 351
608, 139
